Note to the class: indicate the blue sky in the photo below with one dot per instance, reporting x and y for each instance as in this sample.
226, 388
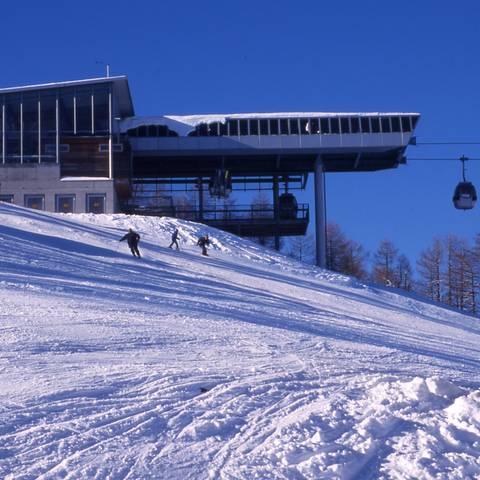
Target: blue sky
259, 56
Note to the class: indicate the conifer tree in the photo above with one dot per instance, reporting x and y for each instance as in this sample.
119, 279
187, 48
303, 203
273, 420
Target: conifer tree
262, 207
403, 273
429, 267
384, 263
344, 255
335, 247
302, 248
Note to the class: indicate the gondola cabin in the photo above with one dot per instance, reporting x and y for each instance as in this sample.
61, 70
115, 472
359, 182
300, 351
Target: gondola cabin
465, 196
288, 206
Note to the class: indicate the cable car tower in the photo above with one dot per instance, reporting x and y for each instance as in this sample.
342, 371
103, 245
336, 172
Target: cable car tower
465, 195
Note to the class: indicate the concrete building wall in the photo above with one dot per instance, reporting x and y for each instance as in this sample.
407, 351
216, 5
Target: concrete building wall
44, 179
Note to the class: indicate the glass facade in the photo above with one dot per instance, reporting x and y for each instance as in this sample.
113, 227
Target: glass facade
12, 128
34, 123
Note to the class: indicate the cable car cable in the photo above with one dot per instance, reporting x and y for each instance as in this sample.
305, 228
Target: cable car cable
428, 159
445, 143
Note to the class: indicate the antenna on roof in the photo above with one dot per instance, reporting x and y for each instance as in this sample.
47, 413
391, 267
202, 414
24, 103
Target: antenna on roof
107, 65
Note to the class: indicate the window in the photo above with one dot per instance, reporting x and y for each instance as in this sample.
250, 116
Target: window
48, 113
213, 129
396, 124
101, 110
264, 126
345, 124
30, 147
51, 148
253, 127
48, 126
324, 125
152, 131
30, 114
334, 125
406, 124
223, 129
233, 127
414, 121
243, 127
283, 126
355, 124
385, 122
66, 112
314, 126
305, 126
36, 202
365, 123
375, 122
84, 111
273, 124
96, 202
6, 198
294, 126
117, 147
12, 112
65, 203
12, 129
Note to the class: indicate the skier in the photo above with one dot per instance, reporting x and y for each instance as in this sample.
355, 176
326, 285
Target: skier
132, 239
203, 242
174, 239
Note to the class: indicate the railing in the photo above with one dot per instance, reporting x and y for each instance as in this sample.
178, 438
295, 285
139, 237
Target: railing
236, 213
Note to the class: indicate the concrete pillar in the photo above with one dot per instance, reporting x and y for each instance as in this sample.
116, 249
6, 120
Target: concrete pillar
320, 220
200, 199
276, 210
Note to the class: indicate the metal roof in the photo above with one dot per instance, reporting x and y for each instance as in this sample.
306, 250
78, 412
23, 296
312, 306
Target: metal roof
121, 90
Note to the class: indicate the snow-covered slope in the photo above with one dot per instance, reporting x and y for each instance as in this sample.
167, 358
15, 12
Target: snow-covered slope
240, 365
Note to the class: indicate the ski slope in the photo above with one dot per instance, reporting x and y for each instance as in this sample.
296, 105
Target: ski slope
241, 365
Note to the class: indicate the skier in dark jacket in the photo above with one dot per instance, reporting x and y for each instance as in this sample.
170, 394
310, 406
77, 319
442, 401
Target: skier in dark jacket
203, 242
174, 239
132, 239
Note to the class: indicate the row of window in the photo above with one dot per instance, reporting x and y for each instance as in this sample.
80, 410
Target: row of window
31, 120
288, 126
151, 131
50, 152
308, 126
64, 203
81, 110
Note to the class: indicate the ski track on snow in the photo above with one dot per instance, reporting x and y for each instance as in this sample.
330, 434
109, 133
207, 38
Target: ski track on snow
241, 365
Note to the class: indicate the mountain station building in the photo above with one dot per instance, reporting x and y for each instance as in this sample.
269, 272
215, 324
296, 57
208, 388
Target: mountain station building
78, 147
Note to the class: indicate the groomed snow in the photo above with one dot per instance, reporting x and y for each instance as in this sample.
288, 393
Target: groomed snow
241, 365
